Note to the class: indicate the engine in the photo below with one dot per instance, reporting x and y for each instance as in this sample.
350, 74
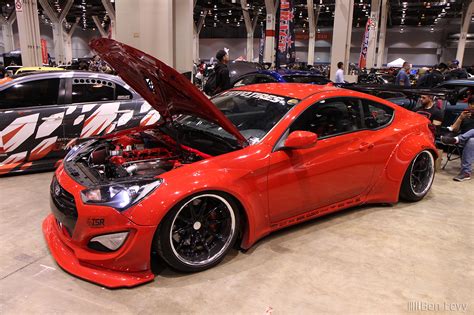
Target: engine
140, 154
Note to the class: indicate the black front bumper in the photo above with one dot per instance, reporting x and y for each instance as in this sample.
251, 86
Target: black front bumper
63, 206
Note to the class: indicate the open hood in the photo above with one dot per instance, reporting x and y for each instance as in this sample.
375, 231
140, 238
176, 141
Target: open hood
168, 91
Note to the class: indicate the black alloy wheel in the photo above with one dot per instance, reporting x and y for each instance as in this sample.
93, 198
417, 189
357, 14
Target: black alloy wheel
198, 233
419, 177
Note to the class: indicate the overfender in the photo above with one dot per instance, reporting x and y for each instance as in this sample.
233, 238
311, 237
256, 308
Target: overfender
387, 187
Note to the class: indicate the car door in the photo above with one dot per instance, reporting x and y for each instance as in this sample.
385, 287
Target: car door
332, 171
377, 120
31, 123
99, 106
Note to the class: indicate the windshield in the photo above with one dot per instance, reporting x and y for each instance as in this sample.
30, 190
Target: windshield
253, 113
313, 79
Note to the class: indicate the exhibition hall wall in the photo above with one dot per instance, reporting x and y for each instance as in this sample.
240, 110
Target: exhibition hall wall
418, 45
80, 40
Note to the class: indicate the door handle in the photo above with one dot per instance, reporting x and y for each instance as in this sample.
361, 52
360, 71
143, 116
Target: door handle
365, 146
51, 118
122, 111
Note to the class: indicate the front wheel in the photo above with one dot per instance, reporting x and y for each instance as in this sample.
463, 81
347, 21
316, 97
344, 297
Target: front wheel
418, 177
198, 232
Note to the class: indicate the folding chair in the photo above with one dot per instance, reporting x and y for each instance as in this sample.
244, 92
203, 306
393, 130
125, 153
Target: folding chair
453, 152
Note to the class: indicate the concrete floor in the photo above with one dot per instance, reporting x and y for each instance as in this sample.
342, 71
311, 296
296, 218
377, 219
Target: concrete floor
369, 260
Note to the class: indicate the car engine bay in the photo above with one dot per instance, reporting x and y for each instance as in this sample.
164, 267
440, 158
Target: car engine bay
142, 154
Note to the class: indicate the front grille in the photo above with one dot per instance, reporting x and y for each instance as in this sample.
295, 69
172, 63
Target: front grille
63, 206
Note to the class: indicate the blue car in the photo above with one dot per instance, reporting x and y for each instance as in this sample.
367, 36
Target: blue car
271, 76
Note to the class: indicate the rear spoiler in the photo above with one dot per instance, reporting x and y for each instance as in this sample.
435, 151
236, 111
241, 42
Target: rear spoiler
389, 90
411, 93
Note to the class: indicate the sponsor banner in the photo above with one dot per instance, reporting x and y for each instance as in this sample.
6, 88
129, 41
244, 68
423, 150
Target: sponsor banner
270, 33
44, 51
285, 33
365, 45
19, 5
319, 36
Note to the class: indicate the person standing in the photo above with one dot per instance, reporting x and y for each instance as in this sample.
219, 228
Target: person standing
340, 73
456, 72
403, 78
433, 78
222, 72
3, 71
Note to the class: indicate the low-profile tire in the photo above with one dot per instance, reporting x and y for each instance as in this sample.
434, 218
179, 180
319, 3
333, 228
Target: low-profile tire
418, 177
198, 232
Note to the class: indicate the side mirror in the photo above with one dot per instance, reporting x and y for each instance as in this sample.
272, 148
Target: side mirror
300, 140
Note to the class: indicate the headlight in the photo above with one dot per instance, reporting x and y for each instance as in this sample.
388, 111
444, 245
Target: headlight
121, 195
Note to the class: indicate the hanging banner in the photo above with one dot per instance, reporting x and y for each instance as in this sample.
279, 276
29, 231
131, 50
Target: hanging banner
44, 51
261, 47
19, 5
365, 45
285, 33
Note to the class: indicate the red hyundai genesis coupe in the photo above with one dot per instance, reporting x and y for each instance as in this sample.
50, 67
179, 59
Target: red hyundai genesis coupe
235, 168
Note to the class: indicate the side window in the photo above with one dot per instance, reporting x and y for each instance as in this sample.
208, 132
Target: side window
122, 93
92, 90
33, 93
330, 117
376, 115
245, 81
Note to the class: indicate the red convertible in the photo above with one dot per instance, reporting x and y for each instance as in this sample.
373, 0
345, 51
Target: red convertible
222, 172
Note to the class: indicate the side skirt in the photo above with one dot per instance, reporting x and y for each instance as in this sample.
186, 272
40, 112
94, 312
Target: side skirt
317, 213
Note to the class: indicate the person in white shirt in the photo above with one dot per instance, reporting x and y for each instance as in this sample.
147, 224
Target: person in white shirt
340, 73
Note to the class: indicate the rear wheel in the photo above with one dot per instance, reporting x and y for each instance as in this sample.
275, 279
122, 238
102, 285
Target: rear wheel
418, 177
198, 232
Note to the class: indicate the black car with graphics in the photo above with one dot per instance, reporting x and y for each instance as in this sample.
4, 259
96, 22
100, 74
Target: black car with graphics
40, 113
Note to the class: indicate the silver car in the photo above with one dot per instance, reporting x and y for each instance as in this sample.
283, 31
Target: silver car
40, 113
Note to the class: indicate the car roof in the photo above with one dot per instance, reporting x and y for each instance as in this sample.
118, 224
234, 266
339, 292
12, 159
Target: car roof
295, 90
39, 75
460, 82
39, 69
289, 72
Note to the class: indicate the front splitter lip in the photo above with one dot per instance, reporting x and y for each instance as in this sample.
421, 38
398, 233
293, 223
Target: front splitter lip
66, 259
